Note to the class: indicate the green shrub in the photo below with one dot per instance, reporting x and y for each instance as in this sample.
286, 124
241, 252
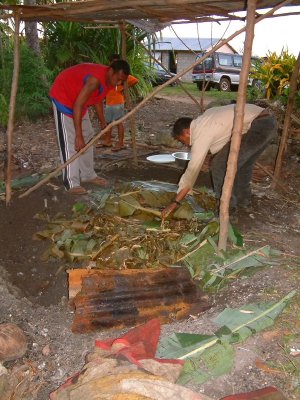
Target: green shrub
285, 95
275, 72
69, 43
3, 111
32, 101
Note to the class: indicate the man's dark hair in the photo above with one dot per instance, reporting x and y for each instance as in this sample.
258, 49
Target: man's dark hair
121, 65
180, 124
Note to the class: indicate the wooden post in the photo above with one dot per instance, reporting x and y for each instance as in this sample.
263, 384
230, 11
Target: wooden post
12, 105
128, 99
237, 128
287, 119
146, 99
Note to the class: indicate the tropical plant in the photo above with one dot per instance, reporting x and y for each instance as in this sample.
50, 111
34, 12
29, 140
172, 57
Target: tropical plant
275, 72
285, 95
32, 101
69, 43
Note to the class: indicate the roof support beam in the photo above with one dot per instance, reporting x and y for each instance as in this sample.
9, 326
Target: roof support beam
12, 106
127, 97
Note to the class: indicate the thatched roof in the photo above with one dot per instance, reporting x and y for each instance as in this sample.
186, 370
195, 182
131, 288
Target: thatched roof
163, 11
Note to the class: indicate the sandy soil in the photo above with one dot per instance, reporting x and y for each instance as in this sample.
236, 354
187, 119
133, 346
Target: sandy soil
34, 293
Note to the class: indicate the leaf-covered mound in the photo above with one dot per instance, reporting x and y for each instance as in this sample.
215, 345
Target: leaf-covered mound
124, 230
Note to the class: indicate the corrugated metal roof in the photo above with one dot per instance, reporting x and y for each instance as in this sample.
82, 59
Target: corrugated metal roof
164, 11
185, 44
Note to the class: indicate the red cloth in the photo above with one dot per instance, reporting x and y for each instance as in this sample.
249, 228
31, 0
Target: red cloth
139, 344
70, 81
268, 393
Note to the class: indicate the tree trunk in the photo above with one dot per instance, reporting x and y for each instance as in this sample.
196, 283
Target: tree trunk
287, 119
237, 128
31, 32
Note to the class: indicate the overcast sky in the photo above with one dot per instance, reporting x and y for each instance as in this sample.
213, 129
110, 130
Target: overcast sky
271, 34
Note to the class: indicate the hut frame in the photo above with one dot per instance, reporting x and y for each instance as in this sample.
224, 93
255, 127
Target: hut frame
160, 13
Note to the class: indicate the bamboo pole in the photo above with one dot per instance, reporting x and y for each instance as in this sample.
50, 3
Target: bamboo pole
128, 99
287, 119
237, 128
158, 62
146, 99
12, 106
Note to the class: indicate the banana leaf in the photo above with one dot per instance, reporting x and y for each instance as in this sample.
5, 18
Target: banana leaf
144, 196
215, 361
79, 207
99, 197
20, 183
154, 186
215, 268
128, 206
233, 321
153, 198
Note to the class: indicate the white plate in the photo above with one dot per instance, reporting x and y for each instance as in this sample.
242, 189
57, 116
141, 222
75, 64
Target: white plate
161, 158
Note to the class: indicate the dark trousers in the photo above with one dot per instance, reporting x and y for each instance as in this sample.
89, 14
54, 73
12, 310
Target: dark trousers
262, 131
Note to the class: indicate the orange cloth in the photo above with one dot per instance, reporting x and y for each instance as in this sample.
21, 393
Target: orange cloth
116, 96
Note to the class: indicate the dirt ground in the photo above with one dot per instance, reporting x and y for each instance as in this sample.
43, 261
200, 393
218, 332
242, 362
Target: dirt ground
34, 293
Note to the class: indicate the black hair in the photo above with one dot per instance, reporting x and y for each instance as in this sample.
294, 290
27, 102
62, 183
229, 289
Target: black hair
180, 124
120, 65
114, 57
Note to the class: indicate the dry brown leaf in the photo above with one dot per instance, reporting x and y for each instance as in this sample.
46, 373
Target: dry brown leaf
264, 367
160, 390
270, 335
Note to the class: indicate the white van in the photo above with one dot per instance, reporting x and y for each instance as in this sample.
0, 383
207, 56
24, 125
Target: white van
221, 71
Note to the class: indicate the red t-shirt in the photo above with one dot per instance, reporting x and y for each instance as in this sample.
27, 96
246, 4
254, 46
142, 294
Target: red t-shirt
69, 83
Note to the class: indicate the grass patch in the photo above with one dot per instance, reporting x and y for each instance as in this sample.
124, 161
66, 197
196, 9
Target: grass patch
212, 94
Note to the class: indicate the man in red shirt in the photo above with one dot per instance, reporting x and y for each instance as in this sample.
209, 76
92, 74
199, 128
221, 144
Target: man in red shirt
73, 91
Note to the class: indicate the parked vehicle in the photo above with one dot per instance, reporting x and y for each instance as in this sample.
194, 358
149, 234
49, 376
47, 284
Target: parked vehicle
159, 75
221, 71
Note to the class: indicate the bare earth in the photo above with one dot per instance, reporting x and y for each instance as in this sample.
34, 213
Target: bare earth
34, 293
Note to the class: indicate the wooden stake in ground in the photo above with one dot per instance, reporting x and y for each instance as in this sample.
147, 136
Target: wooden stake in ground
128, 99
12, 106
152, 94
237, 128
287, 119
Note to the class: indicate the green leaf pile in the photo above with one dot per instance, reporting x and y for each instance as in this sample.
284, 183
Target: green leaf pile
123, 229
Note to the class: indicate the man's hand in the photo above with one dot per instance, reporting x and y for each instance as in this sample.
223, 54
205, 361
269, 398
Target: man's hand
168, 210
172, 207
79, 143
